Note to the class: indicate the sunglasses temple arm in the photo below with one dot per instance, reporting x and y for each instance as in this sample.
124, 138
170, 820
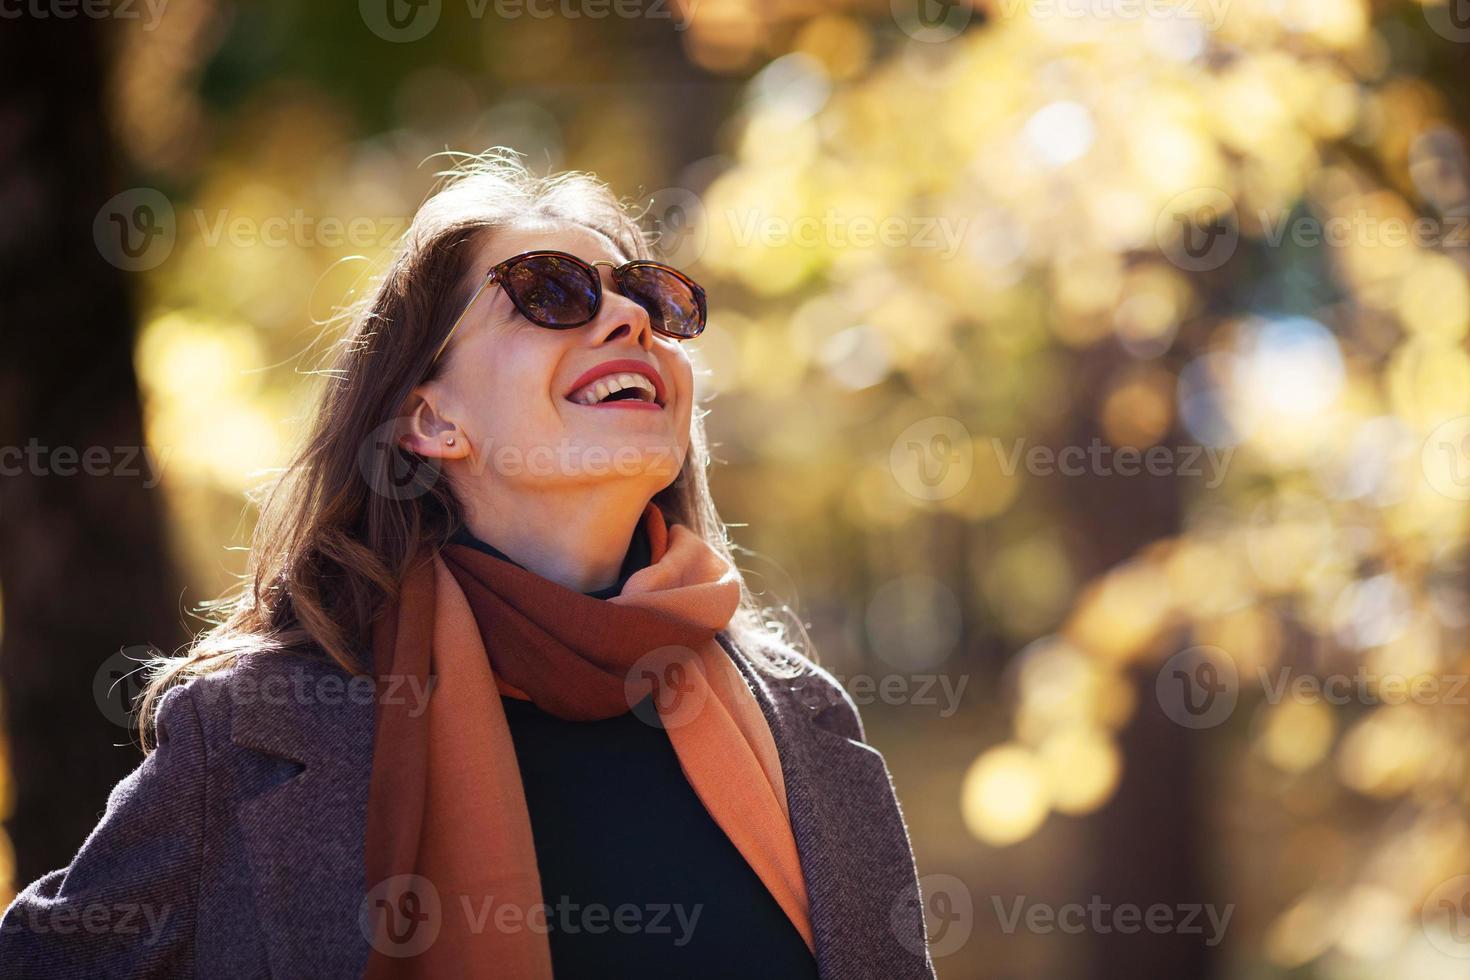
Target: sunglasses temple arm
460, 319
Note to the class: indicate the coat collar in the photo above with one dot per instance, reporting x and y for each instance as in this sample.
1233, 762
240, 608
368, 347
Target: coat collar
304, 835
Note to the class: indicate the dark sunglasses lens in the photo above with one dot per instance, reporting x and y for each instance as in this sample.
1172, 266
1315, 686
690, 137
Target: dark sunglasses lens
674, 307
552, 291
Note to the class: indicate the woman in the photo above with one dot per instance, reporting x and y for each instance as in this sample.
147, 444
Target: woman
496, 702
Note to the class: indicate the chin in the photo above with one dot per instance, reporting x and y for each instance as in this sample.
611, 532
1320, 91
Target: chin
629, 457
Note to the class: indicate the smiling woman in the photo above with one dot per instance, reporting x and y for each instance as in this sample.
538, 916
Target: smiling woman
496, 700
518, 387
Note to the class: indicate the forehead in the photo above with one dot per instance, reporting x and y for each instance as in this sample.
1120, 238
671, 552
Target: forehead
530, 236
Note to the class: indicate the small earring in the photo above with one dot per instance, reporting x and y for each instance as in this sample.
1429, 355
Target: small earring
449, 440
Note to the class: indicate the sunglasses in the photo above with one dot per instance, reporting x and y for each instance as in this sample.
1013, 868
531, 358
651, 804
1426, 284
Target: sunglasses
560, 291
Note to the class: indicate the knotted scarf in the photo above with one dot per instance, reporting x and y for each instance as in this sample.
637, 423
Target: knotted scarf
453, 886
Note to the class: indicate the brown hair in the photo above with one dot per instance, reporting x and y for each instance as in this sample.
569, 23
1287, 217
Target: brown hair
338, 528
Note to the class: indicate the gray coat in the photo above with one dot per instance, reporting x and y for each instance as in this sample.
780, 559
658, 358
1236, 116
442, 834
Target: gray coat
236, 848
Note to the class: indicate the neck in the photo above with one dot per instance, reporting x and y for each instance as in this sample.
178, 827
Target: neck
576, 538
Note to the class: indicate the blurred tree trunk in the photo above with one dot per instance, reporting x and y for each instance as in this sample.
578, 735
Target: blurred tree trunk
84, 567
1148, 842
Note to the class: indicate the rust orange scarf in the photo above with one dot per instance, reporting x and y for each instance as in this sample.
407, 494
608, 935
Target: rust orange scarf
451, 865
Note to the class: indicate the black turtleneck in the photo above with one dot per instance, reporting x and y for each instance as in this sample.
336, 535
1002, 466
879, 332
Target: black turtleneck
639, 879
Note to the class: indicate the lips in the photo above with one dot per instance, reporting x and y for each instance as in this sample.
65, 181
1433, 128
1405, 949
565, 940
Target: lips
623, 365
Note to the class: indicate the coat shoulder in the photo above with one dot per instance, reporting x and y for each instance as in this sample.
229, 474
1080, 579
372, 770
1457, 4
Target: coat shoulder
268, 701
214, 696
802, 686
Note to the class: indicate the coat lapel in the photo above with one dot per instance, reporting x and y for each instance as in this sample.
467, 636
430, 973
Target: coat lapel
304, 833
866, 914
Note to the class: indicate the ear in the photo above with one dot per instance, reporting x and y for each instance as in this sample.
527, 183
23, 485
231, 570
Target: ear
427, 430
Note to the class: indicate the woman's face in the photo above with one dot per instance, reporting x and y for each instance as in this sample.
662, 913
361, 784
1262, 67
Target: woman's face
510, 393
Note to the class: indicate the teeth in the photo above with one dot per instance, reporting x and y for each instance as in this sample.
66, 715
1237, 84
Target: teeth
611, 384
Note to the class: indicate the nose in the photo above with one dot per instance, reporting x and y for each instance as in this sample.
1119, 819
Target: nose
621, 317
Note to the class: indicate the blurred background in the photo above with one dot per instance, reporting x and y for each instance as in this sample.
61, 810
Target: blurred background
1090, 376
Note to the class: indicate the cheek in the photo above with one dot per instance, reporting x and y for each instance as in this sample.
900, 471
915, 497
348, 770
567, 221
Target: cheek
510, 399
684, 371
685, 377
494, 415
